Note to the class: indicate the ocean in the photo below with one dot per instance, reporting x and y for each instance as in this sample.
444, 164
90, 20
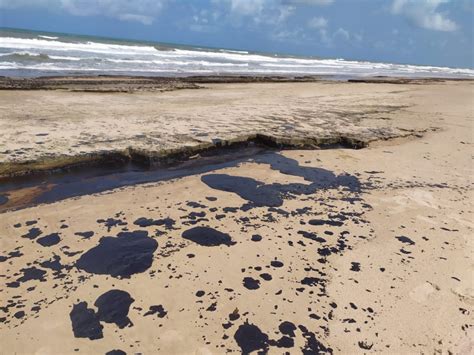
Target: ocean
31, 54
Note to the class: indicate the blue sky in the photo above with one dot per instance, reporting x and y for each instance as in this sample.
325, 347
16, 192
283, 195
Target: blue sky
432, 32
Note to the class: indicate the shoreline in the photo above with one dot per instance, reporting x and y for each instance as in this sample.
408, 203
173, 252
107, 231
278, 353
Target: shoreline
127, 83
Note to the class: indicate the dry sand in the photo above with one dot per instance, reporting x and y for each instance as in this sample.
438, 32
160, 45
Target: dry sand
62, 126
359, 251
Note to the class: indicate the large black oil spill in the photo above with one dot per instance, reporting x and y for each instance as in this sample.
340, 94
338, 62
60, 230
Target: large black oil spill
113, 307
81, 181
122, 256
272, 195
247, 188
320, 178
59, 186
207, 236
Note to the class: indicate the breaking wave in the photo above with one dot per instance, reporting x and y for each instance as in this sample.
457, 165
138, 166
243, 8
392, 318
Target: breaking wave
42, 54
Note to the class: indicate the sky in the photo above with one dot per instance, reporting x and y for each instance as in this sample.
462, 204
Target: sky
428, 32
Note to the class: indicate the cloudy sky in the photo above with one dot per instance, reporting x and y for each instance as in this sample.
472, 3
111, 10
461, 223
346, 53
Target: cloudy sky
433, 32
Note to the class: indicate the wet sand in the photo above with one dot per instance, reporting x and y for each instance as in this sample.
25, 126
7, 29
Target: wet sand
315, 251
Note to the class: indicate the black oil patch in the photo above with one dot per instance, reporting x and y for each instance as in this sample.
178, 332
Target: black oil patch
49, 240
32, 273
33, 233
113, 307
116, 352
251, 284
85, 323
272, 195
85, 235
320, 222
250, 338
207, 236
405, 240
122, 256
158, 310
148, 222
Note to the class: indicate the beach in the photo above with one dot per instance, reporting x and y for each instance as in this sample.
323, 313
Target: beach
201, 216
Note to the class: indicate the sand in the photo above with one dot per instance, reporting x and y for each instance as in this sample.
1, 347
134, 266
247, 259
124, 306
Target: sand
321, 251
46, 129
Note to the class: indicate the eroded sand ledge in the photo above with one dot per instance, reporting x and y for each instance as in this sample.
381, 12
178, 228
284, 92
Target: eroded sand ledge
59, 128
322, 251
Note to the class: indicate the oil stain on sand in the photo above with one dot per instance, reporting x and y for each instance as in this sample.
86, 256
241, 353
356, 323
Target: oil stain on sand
228, 260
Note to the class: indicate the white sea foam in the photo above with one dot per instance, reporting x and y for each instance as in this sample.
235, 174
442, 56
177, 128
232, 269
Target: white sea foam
48, 37
93, 47
43, 54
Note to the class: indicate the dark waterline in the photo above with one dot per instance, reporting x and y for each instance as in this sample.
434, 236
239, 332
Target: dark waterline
50, 188
90, 180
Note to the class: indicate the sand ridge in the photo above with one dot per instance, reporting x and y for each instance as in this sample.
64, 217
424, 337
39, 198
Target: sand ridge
43, 130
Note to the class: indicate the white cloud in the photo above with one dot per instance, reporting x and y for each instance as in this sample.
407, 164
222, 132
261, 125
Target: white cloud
267, 10
293, 36
146, 20
342, 33
311, 2
258, 11
247, 7
202, 21
424, 14
143, 11
285, 12
317, 22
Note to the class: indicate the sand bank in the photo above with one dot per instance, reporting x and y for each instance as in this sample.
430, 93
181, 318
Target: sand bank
43, 130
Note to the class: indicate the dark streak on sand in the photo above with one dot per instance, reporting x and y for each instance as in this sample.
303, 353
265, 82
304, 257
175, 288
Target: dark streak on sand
114, 170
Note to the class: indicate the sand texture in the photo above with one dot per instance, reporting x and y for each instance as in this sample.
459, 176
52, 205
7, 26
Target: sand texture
46, 129
342, 251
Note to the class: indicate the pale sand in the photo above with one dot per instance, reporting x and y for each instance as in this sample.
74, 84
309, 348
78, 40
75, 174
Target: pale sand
410, 295
40, 126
